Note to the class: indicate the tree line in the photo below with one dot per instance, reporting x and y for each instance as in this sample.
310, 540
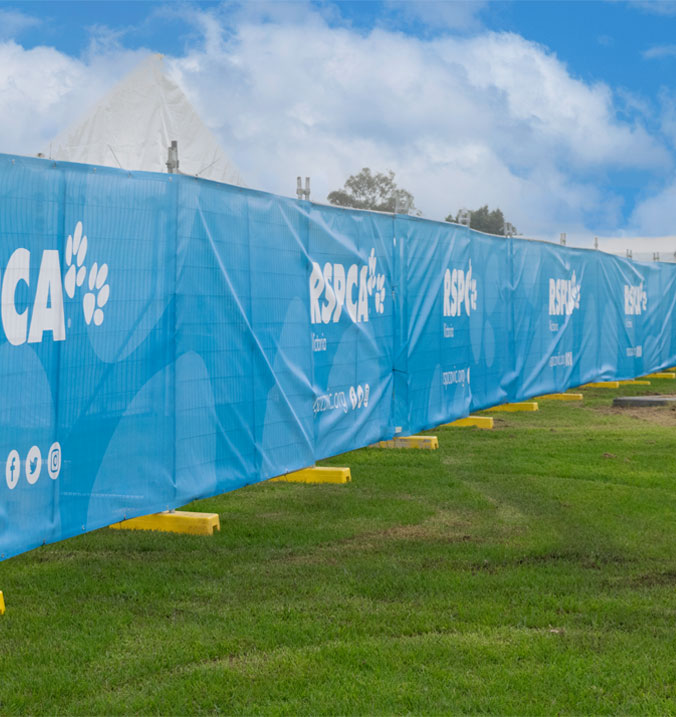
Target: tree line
379, 192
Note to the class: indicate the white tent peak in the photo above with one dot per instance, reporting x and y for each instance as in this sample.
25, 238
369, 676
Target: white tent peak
134, 124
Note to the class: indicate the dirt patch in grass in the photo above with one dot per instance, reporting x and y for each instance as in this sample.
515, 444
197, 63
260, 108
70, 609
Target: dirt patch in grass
667, 577
432, 529
444, 526
660, 415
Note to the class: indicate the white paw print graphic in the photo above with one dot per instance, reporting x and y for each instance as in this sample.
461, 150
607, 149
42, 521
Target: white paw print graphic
76, 249
372, 272
380, 295
97, 296
376, 282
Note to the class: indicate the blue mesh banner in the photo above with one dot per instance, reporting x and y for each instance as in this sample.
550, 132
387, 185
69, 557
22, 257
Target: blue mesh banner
166, 338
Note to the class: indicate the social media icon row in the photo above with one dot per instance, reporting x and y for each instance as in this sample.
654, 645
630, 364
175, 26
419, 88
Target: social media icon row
32, 465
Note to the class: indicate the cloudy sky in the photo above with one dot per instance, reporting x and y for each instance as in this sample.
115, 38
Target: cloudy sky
561, 114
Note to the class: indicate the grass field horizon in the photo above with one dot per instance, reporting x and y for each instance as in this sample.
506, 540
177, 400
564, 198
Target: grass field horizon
525, 570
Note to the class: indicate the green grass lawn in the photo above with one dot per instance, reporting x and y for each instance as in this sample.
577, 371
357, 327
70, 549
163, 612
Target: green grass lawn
530, 569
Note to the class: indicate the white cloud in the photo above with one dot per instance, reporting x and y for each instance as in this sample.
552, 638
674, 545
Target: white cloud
43, 90
655, 7
667, 98
630, 103
560, 114
660, 52
14, 22
656, 216
33, 85
463, 122
457, 15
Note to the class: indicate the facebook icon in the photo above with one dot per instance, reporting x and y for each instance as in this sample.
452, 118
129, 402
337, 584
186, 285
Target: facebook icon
12, 469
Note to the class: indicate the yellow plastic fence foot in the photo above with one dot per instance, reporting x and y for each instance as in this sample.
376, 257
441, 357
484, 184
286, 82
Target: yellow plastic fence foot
429, 443
176, 521
661, 374
603, 384
561, 397
2, 603
634, 382
485, 422
317, 474
513, 407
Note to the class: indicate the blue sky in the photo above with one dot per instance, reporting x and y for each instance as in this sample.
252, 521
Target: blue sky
561, 113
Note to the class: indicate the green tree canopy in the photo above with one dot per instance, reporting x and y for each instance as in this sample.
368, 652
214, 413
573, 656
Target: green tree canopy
485, 220
373, 191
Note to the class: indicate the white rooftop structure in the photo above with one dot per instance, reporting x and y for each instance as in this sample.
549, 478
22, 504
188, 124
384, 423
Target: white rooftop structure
133, 126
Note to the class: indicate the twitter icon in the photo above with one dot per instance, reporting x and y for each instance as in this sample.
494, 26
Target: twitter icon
33, 465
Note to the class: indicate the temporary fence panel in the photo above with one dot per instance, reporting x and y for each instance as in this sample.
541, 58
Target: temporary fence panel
455, 340
350, 255
554, 304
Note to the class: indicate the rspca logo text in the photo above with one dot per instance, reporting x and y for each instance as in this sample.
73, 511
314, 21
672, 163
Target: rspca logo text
564, 296
460, 292
336, 287
635, 300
